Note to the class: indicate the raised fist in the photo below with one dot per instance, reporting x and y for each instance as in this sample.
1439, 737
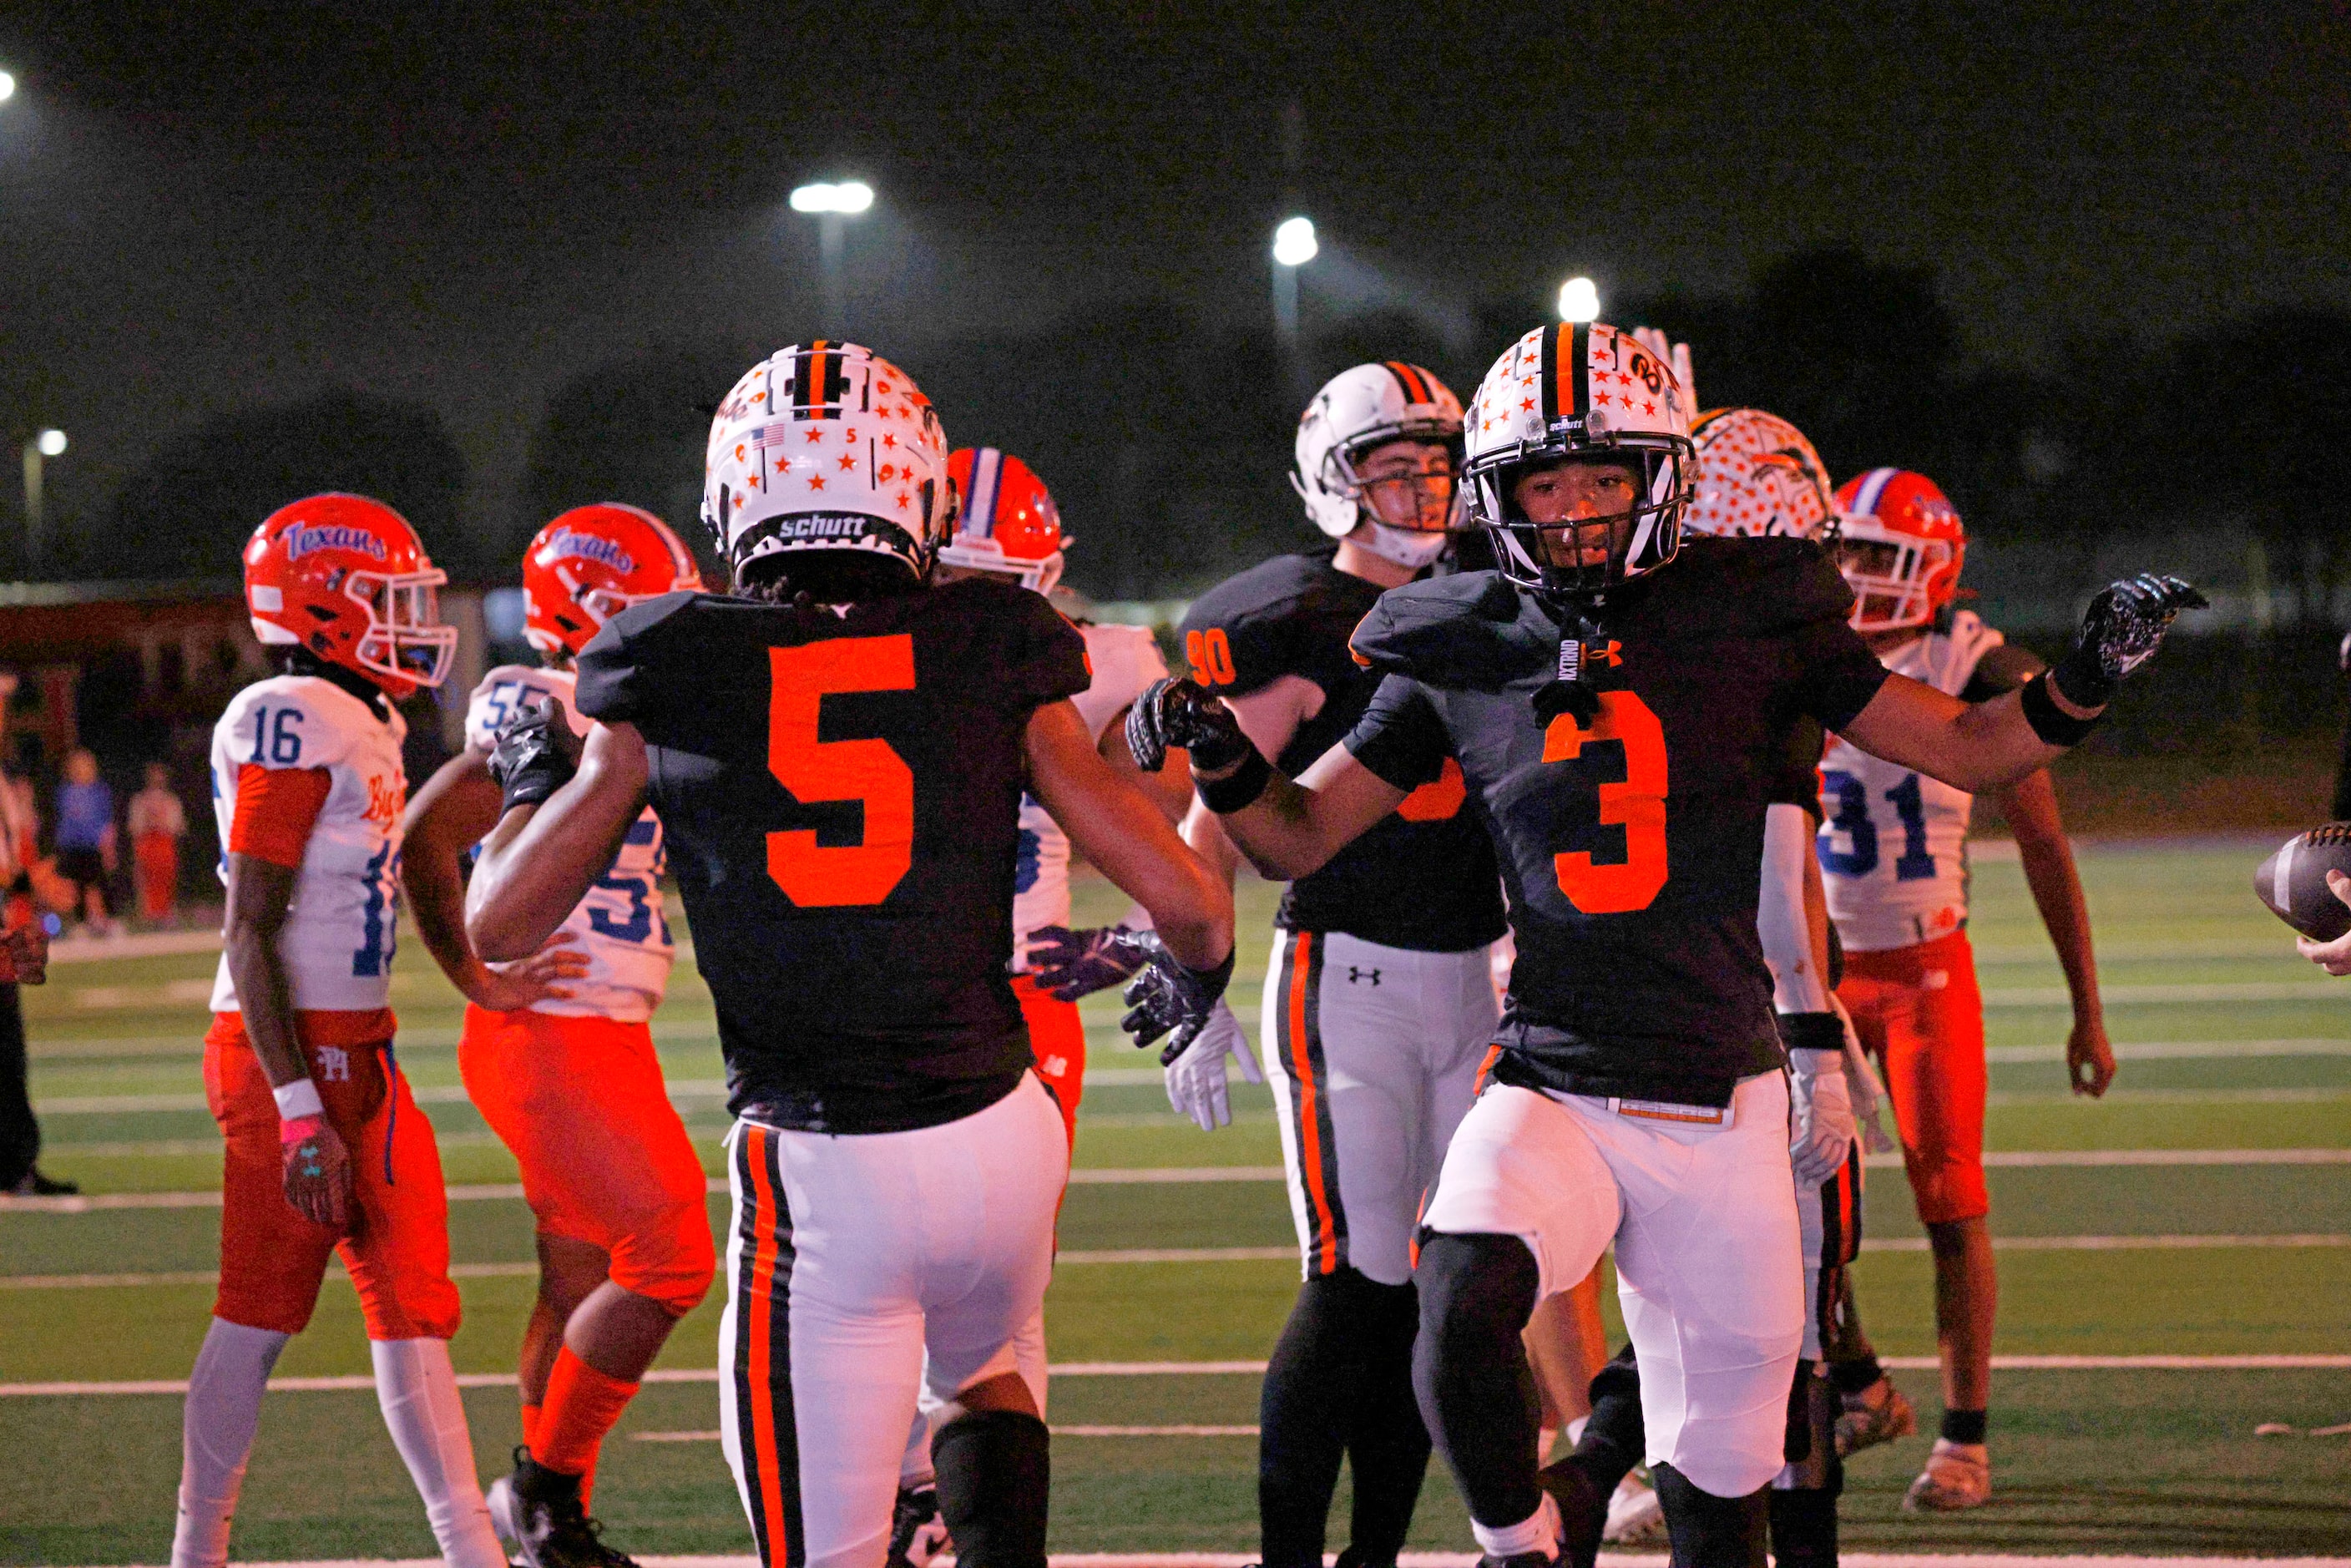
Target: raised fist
2121, 631
1180, 715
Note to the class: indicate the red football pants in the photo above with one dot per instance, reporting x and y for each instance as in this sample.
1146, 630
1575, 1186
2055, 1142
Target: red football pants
1058, 1037
397, 1249
1918, 1012
605, 1159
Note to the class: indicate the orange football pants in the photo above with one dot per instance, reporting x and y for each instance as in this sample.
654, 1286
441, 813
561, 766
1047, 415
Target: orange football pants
604, 1158
397, 1249
1918, 1012
1058, 1038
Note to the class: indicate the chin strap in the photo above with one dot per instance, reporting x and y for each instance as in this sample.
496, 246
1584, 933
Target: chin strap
1570, 692
1404, 546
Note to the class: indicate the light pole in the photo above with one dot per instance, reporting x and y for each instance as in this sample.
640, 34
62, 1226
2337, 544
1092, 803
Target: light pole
39, 450
834, 205
1579, 300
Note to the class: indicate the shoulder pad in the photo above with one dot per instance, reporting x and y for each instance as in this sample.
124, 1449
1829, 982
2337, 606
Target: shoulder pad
293, 721
1472, 631
611, 666
1772, 584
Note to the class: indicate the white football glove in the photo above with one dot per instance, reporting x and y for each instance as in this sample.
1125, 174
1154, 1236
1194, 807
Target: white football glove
1868, 1090
1674, 354
1196, 1080
1822, 1131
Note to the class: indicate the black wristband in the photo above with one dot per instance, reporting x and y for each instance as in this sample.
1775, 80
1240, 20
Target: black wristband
2050, 721
1811, 1031
1238, 792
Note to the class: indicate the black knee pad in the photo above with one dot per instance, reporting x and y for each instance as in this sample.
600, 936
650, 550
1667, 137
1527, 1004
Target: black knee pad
995, 1475
1811, 1448
1469, 1369
1481, 1283
1711, 1531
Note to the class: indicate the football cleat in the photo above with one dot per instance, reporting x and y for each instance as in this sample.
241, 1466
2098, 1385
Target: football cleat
917, 1533
539, 1510
1878, 1413
1958, 1476
1636, 1516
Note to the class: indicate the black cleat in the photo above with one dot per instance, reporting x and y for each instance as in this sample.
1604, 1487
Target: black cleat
36, 1184
917, 1533
538, 1510
1582, 1512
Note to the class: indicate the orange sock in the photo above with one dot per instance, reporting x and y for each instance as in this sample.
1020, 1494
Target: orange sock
580, 1406
530, 1427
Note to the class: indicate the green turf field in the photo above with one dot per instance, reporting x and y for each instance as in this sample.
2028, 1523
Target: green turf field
2233, 1050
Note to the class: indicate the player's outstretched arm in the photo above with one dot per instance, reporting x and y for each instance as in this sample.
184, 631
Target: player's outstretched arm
1982, 746
317, 1168
559, 832
1121, 829
2029, 806
457, 805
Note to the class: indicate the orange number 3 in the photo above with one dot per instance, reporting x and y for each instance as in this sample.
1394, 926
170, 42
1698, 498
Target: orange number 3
870, 772
1636, 803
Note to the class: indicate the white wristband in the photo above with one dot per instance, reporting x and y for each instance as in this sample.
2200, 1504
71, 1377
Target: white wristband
299, 1098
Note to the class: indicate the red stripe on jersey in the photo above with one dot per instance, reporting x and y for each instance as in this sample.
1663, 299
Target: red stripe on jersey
276, 810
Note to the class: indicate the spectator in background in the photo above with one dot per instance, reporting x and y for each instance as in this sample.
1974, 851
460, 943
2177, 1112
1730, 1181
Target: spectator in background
24, 955
86, 839
157, 825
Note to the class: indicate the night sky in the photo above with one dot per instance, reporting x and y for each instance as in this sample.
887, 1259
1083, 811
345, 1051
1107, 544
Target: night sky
207, 206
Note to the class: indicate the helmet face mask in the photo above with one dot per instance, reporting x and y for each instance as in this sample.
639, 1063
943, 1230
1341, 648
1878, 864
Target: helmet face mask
406, 641
1414, 483
346, 580
1347, 481
1901, 546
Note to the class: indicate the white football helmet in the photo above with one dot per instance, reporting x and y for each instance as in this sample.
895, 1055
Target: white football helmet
1579, 390
827, 447
1757, 477
1363, 408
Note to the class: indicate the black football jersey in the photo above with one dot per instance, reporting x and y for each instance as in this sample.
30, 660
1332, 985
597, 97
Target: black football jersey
840, 796
1424, 879
1632, 845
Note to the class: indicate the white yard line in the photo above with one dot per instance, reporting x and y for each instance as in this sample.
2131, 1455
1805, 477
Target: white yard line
2190, 995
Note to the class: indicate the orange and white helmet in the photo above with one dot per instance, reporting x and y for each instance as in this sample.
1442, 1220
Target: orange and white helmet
1008, 524
592, 563
347, 580
1578, 390
1369, 406
1757, 477
1900, 546
827, 447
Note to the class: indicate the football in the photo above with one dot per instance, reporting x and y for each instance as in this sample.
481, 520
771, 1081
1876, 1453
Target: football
2292, 882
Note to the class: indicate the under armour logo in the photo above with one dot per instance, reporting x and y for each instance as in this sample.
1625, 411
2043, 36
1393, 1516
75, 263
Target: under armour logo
334, 1064
1356, 976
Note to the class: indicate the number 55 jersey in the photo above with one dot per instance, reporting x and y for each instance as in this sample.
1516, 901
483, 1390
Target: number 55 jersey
1632, 840
841, 790
619, 927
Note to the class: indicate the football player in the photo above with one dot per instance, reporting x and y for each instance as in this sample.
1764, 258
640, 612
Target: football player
566, 1074
837, 752
327, 1150
1010, 529
1618, 705
1378, 996
1894, 847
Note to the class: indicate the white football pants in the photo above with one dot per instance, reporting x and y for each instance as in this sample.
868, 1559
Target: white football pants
851, 1257
1708, 1266
1373, 1054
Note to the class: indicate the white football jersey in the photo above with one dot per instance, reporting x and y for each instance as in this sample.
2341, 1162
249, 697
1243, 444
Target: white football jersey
1125, 659
1893, 844
619, 926
337, 940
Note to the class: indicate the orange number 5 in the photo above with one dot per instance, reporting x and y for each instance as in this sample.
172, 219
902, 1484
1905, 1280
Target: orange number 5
1636, 803
868, 771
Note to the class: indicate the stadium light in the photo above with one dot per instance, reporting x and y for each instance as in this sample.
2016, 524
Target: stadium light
1294, 242
52, 443
1579, 300
848, 198
48, 444
7, 87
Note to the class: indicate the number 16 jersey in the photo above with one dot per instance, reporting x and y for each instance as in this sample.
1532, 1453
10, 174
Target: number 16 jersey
840, 793
619, 927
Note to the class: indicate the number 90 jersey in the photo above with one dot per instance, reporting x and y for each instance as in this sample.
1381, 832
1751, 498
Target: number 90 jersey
1124, 660
619, 927
1892, 842
337, 940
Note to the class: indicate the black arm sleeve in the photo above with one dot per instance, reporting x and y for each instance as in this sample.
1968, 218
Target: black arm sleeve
1400, 736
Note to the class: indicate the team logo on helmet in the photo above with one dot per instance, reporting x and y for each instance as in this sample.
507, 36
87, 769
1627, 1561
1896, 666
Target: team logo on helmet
565, 545
305, 538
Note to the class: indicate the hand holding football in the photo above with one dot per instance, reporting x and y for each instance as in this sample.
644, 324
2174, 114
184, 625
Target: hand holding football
2292, 882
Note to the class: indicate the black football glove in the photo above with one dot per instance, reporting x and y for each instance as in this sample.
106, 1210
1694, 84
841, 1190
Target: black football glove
2121, 631
531, 758
1180, 715
1167, 995
1067, 964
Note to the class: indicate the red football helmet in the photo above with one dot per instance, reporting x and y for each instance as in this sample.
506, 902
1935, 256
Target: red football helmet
1008, 525
592, 563
349, 580
1900, 546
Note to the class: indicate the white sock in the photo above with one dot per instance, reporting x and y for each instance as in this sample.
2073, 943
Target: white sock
216, 1430
417, 1388
1536, 1533
1576, 1429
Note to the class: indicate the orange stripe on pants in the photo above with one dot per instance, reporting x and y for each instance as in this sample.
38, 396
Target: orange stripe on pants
1310, 1128
759, 1306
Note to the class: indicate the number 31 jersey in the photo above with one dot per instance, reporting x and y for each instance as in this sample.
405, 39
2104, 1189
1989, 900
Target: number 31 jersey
1893, 844
619, 927
337, 940
1631, 843
841, 790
